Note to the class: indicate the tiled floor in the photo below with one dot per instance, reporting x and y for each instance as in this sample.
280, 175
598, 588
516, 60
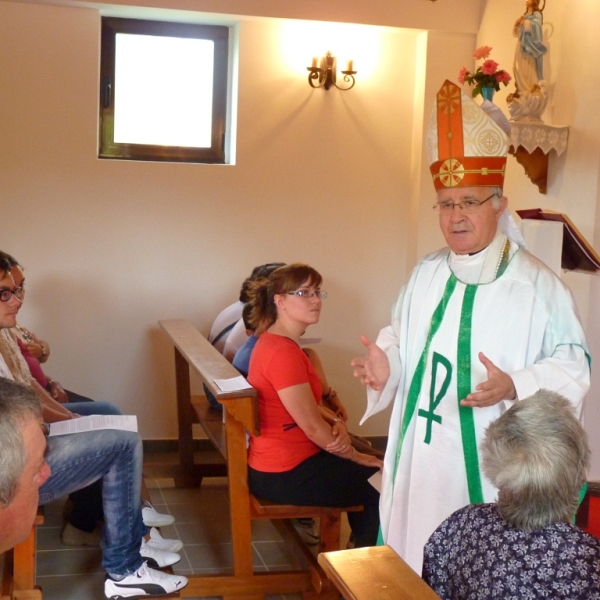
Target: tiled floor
201, 522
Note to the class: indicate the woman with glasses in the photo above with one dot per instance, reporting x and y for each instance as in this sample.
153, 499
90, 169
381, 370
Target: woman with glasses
299, 458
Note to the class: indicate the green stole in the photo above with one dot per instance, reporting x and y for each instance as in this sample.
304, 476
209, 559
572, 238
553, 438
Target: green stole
467, 422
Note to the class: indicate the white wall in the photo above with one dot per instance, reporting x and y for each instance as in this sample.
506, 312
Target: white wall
573, 183
111, 247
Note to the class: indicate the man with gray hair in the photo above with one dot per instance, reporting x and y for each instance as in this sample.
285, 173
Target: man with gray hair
524, 545
23, 467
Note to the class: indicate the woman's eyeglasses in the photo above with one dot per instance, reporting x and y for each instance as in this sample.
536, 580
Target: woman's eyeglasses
308, 294
6, 295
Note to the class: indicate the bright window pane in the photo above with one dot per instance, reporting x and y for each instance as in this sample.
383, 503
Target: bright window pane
164, 90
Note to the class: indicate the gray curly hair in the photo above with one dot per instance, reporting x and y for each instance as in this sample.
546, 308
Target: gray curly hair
537, 455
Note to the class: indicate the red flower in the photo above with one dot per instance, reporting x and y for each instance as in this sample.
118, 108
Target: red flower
482, 52
503, 77
489, 67
462, 74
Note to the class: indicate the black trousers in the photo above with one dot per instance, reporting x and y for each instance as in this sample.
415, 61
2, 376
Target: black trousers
325, 480
87, 507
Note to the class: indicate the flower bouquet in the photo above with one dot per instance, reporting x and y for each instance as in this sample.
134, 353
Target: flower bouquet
486, 76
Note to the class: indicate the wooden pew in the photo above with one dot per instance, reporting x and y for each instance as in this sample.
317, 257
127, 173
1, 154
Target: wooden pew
193, 351
374, 574
18, 579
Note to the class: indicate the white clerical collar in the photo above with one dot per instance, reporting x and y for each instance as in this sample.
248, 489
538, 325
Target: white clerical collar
481, 267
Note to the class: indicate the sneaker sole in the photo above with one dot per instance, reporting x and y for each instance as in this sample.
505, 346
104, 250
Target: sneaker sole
164, 523
154, 565
137, 591
173, 548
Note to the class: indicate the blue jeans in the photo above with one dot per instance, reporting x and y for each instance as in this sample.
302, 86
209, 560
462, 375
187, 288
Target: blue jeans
115, 456
85, 409
87, 502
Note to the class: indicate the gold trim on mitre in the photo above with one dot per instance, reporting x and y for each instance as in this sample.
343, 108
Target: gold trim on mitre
475, 171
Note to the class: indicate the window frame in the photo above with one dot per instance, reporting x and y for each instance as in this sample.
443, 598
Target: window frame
107, 148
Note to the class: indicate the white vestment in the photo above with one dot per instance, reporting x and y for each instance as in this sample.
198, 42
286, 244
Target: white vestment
523, 318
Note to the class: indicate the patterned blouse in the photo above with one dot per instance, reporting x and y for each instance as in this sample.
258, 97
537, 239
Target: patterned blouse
476, 555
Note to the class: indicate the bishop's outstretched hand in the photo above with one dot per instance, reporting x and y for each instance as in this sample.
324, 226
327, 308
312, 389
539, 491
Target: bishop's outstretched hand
374, 368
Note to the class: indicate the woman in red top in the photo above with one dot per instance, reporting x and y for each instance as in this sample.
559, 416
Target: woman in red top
299, 458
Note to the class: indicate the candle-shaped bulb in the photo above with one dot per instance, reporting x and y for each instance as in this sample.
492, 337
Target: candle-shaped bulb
314, 62
350, 65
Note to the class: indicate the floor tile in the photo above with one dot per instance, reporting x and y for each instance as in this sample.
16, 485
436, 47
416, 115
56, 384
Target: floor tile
74, 587
48, 538
191, 495
264, 531
69, 561
277, 554
210, 558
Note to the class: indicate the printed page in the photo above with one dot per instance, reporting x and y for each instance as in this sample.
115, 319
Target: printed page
94, 422
234, 384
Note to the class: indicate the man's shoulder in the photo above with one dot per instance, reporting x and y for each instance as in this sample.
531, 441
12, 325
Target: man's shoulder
435, 257
431, 261
529, 268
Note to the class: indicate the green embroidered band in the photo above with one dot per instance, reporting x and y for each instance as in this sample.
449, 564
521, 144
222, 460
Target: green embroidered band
417, 380
463, 384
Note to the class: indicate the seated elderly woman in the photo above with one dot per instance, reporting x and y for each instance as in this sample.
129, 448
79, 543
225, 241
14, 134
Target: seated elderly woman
300, 458
523, 546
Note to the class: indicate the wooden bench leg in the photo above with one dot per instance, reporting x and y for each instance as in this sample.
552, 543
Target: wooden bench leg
24, 563
185, 419
331, 529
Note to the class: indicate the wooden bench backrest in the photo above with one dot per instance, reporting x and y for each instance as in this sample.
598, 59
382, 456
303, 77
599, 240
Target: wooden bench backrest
210, 364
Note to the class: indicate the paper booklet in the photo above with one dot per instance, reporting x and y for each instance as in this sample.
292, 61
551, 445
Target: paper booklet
93, 423
577, 253
234, 384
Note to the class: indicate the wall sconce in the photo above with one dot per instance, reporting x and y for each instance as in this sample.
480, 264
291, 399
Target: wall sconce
325, 75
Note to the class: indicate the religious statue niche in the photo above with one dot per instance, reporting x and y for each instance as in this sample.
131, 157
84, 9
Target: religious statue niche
531, 139
529, 100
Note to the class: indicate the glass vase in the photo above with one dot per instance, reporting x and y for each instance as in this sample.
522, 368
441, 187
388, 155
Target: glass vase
488, 93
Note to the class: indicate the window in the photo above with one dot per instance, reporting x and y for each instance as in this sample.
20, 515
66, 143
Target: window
163, 91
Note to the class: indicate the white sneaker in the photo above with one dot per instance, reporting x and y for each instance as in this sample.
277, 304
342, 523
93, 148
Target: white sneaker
144, 582
158, 558
158, 542
153, 518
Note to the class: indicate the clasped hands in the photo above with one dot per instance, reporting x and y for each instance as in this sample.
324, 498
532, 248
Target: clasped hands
342, 446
